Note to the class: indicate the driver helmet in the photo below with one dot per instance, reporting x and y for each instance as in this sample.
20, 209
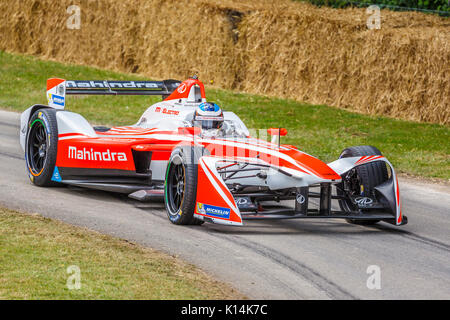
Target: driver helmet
208, 116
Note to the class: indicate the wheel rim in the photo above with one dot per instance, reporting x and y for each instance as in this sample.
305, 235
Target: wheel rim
175, 187
37, 147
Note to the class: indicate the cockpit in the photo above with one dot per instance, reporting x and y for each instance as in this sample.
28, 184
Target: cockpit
187, 107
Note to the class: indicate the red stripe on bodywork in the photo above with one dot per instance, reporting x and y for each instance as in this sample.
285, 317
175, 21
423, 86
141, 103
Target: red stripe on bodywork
153, 147
365, 159
224, 189
62, 135
53, 82
208, 194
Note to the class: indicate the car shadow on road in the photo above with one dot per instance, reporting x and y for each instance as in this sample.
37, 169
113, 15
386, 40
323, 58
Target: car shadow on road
304, 226
322, 227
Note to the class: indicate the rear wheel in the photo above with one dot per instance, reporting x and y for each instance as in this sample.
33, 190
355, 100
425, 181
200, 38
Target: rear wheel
362, 180
41, 147
180, 188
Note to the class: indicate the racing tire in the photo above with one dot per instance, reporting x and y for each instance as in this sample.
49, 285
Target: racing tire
368, 175
180, 187
41, 146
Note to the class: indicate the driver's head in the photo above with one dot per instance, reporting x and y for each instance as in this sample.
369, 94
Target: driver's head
208, 116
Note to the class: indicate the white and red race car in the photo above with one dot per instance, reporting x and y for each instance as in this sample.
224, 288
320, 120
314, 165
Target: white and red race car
216, 173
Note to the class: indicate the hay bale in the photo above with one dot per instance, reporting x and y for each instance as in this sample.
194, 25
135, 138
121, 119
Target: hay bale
286, 49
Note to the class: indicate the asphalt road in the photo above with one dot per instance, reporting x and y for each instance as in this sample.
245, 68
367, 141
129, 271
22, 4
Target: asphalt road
291, 259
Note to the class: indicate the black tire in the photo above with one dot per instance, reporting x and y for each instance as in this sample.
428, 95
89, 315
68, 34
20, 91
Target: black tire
41, 147
197, 222
368, 176
180, 187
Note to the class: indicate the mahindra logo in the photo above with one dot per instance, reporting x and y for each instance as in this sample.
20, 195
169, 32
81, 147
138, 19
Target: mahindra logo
81, 84
363, 201
182, 88
91, 155
242, 201
300, 198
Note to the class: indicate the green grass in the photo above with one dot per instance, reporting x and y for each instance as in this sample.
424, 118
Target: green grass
419, 149
35, 253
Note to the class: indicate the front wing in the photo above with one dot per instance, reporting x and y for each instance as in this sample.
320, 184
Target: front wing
217, 203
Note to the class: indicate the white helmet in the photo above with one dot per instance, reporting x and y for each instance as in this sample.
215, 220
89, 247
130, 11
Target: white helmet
208, 116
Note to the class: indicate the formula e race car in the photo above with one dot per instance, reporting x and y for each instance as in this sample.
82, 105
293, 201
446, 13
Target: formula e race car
201, 160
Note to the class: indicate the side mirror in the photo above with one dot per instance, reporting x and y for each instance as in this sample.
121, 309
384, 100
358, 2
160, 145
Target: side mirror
189, 130
276, 133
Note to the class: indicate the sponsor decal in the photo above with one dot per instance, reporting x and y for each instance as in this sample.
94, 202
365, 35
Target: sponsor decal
166, 111
182, 88
242, 201
214, 211
300, 198
92, 155
80, 84
364, 201
209, 118
60, 89
58, 100
56, 176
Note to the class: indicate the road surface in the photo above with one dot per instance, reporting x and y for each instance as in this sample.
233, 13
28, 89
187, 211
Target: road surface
291, 259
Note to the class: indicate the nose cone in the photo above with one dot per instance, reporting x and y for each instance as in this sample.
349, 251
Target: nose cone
314, 165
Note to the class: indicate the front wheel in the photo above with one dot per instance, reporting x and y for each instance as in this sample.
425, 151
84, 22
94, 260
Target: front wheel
362, 180
41, 147
180, 187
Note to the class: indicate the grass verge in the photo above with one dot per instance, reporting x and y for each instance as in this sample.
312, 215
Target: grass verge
35, 253
418, 149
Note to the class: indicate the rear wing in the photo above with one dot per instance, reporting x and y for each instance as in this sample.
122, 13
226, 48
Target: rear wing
57, 89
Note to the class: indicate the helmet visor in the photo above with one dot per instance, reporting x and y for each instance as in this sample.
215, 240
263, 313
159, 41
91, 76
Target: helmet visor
207, 123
